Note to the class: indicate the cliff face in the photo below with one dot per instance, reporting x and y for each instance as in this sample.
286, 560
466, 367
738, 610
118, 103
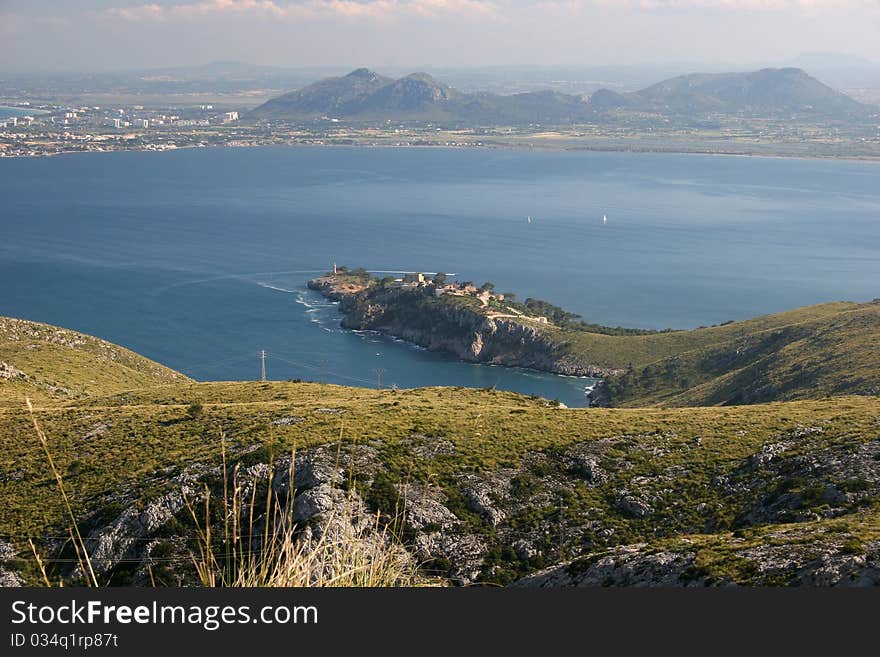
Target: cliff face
456, 326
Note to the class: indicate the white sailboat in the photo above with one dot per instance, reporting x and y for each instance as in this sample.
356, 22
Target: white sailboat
604, 219
529, 218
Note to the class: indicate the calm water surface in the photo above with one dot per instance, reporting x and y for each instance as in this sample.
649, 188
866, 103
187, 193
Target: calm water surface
199, 258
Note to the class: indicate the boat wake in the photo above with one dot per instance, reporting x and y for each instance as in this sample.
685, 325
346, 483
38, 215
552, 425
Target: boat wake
276, 288
319, 310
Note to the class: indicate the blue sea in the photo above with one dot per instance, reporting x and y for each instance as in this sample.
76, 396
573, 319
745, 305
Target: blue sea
199, 258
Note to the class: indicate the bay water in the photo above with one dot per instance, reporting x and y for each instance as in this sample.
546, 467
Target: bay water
198, 258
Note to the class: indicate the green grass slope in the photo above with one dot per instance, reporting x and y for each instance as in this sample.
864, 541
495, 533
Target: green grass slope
808, 353
130, 446
50, 363
721, 484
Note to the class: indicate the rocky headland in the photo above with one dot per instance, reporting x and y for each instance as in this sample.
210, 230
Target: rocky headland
472, 324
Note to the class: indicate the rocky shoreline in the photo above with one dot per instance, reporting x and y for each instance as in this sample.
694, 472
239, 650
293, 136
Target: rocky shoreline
415, 314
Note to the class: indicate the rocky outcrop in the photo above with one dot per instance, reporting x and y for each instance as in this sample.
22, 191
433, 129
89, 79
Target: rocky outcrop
8, 371
425, 508
123, 537
8, 576
478, 494
803, 478
10, 579
599, 395
794, 561
629, 565
632, 505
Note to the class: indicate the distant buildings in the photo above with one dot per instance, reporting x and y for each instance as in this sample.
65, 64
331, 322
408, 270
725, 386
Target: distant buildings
144, 123
117, 123
230, 116
413, 279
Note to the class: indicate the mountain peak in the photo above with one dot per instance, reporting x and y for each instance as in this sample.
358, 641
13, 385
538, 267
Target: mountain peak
363, 73
422, 77
787, 71
766, 92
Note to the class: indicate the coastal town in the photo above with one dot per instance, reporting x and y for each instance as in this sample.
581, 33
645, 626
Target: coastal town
29, 129
33, 129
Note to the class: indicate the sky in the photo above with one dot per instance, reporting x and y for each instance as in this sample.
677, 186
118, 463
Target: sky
102, 35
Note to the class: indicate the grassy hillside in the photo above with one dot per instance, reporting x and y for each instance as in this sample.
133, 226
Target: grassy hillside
641, 350
129, 448
495, 485
51, 363
809, 353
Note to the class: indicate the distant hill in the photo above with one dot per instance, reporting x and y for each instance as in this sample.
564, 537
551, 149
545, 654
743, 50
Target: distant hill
365, 95
765, 92
335, 96
607, 99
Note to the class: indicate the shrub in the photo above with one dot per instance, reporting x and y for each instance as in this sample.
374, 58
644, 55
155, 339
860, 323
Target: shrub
194, 410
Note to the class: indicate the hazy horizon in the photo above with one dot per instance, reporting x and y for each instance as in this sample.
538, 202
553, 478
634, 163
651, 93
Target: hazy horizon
106, 36
403, 68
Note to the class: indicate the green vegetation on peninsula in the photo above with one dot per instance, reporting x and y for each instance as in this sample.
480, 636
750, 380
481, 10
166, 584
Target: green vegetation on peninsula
807, 353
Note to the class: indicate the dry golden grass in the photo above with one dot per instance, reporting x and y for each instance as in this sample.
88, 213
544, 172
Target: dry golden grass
344, 553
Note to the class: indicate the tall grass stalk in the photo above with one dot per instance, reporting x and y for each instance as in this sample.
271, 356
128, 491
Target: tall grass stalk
347, 552
79, 545
352, 549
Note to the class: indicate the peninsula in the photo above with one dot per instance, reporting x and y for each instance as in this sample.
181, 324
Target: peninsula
474, 323
805, 353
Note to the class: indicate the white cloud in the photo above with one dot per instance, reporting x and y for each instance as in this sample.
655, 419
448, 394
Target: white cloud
733, 5
303, 9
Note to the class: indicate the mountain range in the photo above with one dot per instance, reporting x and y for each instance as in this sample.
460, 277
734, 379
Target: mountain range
364, 95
